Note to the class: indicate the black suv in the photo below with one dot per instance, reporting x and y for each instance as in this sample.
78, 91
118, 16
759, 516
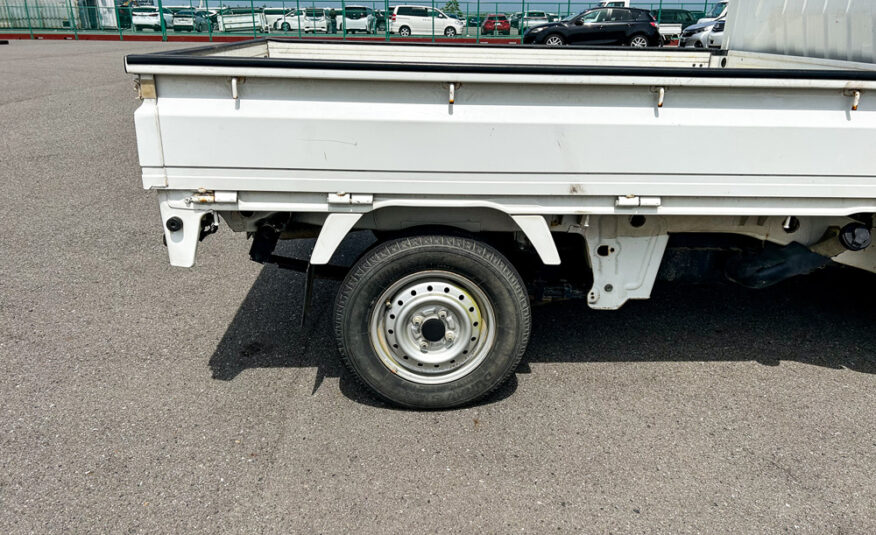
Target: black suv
600, 26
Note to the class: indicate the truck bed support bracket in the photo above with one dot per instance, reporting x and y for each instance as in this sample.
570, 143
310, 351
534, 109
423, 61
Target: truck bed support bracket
625, 255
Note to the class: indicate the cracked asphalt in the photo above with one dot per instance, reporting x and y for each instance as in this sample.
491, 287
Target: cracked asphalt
140, 398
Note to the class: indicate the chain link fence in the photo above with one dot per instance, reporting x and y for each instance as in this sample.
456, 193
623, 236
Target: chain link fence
430, 20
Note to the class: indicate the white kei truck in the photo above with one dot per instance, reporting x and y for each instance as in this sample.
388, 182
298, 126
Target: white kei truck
493, 175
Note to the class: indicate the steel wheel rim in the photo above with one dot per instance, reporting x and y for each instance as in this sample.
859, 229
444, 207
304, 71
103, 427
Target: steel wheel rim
432, 327
553, 41
639, 42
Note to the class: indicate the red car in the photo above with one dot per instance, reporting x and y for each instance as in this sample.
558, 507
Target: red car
496, 24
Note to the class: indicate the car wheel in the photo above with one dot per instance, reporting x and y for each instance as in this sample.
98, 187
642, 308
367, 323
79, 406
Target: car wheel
638, 41
285, 27
432, 321
554, 40
449, 32
404, 31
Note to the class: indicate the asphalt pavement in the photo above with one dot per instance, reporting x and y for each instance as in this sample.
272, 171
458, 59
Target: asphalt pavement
140, 398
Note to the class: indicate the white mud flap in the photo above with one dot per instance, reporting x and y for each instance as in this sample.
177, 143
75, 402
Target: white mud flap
539, 234
625, 253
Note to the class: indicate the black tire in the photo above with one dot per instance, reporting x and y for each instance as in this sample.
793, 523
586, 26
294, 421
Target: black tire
384, 267
450, 31
285, 26
404, 31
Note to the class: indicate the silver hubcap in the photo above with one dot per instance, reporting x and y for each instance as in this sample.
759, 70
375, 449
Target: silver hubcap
554, 40
432, 327
639, 42
405, 31
449, 32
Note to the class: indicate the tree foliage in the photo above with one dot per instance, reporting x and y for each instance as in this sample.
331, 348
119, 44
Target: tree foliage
452, 7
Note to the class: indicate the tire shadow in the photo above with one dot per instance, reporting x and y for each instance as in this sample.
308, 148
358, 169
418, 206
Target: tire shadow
825, 319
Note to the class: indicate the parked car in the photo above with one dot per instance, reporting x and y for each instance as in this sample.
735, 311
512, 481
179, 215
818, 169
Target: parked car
187, 20
474, 21
273, 14
533, 18
148, 17
681, 17
696, 35
420, 20
515, 19
718, 11
355, 19
716, 36
310, 19
599, 26
496, 24
553, 17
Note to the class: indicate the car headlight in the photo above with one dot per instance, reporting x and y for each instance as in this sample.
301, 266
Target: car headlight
698, 30
535, 30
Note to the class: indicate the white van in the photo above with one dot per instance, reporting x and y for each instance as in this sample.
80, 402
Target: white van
355, 19
421, 20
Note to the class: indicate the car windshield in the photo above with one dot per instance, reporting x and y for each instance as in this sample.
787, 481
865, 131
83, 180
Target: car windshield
717, 9
590, 16
185, 13
591, 12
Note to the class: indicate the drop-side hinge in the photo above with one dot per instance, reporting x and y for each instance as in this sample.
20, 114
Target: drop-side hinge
343, 197
634, 201
204, 196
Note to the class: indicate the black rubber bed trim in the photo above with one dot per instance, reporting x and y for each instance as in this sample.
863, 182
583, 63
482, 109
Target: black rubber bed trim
195, 58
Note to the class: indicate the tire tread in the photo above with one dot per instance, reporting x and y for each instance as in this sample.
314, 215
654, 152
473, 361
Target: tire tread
385, 252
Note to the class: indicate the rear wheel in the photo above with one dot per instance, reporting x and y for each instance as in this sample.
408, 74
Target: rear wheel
638, 41
449, 31
554, 40
404, 31
285, 27
432, 321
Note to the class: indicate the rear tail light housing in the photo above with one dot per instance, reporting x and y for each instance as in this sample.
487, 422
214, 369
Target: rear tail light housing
654, 24
393, 17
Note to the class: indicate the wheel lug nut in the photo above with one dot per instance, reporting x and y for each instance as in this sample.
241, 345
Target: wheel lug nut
449, 336
442, 314
417, 321
424, 345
